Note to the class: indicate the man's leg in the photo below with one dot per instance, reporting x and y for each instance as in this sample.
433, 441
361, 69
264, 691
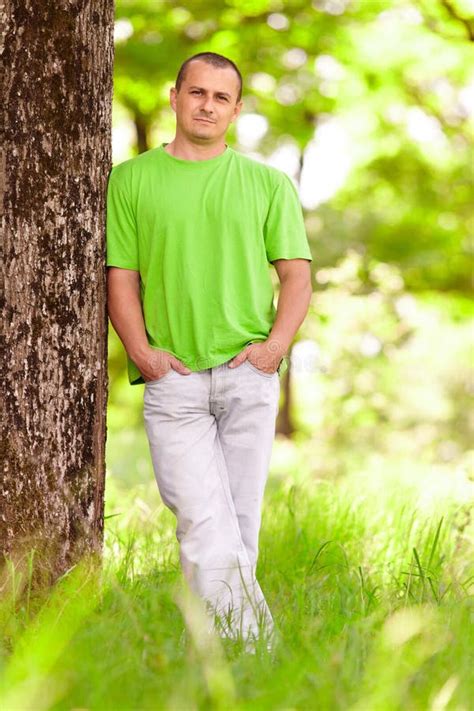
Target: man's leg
246, 406
246, 428
192, 478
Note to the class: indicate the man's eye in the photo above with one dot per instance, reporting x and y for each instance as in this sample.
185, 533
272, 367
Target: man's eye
195, 91
223, 97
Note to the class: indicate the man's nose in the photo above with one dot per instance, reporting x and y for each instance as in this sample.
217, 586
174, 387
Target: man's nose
208, 104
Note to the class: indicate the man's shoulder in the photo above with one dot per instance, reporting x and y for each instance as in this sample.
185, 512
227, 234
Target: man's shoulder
255, 164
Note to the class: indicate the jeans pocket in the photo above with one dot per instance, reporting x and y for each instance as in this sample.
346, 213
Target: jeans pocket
257, 370
163, 377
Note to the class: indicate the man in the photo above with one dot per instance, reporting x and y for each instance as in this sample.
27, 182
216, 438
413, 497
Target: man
192, 226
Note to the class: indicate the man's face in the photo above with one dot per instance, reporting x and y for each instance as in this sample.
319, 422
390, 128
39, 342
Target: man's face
206, 103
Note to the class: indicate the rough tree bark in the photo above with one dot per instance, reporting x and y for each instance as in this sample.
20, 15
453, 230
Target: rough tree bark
56, 156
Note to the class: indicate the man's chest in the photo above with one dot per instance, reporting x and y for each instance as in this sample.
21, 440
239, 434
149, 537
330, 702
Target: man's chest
167, 205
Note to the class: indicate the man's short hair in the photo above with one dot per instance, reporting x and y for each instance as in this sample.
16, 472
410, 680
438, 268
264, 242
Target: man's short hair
217, 60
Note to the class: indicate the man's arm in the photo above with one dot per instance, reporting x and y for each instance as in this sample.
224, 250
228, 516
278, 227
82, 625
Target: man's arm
125, 310
125, 313
293, 302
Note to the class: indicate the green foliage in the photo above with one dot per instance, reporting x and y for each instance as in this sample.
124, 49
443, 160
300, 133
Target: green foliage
383, 375
397, 75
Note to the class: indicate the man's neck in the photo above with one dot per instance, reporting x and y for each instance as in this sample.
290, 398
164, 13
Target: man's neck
190, 151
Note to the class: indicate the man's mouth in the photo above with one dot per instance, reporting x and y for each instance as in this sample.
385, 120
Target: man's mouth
205, 120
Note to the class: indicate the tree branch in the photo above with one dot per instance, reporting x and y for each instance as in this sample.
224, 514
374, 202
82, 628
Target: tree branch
467, 22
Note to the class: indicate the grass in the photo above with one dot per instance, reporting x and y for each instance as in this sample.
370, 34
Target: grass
369, 582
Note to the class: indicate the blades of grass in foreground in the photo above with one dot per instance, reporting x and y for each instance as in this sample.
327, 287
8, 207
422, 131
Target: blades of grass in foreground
206, 650
27, 681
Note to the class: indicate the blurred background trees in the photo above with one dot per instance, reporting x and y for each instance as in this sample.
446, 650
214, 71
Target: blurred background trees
369, 107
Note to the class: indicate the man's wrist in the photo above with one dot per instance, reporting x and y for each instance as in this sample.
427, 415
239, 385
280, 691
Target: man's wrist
138, 353
278, 344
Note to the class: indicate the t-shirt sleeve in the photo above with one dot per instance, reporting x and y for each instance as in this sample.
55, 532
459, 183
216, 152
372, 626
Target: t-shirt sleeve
284, 230
121, 229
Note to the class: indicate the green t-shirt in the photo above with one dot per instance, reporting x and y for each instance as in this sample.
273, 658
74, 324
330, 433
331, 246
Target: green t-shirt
202, 233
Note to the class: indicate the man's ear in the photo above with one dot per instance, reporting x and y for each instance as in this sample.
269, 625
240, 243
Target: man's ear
237, 110
173, 93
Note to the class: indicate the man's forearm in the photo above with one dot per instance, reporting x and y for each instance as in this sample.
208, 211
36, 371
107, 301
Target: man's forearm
126, 316
293, 302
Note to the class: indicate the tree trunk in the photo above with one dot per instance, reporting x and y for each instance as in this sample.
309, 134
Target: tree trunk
284, 423
141, 128
55, 161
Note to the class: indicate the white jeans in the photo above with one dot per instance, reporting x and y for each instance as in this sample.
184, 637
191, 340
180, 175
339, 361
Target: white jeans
211, 434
